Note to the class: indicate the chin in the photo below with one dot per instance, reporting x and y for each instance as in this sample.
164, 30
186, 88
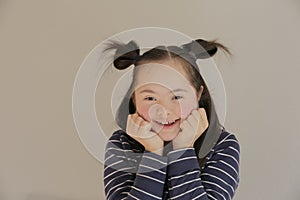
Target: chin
167, 136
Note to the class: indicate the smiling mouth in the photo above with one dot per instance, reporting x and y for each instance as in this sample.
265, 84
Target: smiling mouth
167, 123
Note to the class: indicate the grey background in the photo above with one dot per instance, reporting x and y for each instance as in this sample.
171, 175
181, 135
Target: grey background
42, 44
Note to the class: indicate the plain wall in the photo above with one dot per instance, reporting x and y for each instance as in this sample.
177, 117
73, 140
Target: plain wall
43, 43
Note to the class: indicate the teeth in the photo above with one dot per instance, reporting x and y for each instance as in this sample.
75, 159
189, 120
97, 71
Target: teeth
167, 123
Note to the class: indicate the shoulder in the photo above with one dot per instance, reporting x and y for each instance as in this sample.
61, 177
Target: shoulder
227, 139
227, 147
226, 150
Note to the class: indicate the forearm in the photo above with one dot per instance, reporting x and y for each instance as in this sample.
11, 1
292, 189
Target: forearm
146, 183
150, 177
218, 179
184, 175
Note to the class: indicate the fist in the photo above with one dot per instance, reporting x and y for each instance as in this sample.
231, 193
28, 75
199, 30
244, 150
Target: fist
140, 130
191, 129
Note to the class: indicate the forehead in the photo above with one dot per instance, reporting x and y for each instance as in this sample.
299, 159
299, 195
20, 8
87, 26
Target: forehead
170, 75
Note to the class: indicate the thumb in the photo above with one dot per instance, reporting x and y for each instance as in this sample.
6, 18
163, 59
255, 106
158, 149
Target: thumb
203, 117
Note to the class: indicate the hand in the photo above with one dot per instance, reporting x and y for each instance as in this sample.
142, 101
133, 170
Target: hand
140, 130
191, 129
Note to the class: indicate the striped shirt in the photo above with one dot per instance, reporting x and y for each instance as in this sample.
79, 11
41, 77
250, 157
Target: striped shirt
130, 172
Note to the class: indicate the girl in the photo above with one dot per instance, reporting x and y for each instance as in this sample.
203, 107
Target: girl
171, 145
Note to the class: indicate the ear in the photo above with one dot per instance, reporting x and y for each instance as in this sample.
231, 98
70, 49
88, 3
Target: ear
200, 92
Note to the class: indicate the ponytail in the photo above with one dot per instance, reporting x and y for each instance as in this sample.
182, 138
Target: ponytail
201, 49
125, 55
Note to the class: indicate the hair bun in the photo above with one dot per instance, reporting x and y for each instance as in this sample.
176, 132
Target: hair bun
125, 55
201, 49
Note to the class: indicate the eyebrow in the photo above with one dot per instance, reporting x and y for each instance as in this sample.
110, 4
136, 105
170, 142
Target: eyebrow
151, 91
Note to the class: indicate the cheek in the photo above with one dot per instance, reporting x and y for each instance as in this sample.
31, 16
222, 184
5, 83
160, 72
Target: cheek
143, 111
187, 107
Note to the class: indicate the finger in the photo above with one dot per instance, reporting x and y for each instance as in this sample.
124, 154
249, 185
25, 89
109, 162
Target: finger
148, 133
203, 117
196, 114
145, 131
144, 123
130, 127
185, 125
136, 126
134, 116
128, 119
136, 121
194, 119
143, 126
202, 113
146, 126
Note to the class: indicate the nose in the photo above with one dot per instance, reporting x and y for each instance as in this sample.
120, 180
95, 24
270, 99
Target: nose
158, 111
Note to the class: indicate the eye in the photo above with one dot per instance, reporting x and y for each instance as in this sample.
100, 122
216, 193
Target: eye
178, 97
149, 98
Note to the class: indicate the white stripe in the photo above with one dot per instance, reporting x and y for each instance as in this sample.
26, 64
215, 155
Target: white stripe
224, 139
181, 159
119, 188
118, 149
223, 172
187, 182
211, 183
119, 170
187, 192
116, 178
180, 176
125, 143
231, 140
133, 196
162, 172
211, 162
131, 159
225, 163
137, 150
235, 150
146, 192
109, 157
118, 156
229, 147
114, 141
211, 196
230, 156
154, 179
107, 166
144, 156
216, 192
228, 140
213, 176
200, 195
179, 150
125, 186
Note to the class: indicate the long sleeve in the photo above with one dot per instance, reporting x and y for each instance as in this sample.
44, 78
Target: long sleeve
218, 179
130, 174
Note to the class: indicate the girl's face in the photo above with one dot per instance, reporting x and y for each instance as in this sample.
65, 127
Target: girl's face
164, 97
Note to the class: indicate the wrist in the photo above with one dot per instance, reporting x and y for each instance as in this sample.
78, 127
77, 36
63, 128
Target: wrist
156, 151
182, 146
